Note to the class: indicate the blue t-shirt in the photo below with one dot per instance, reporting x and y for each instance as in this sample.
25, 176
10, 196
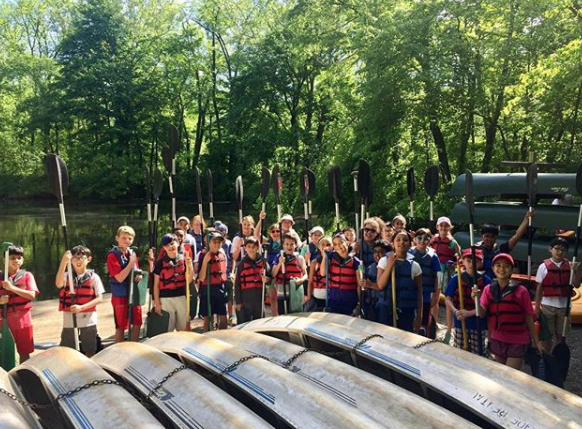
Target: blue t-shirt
471, 322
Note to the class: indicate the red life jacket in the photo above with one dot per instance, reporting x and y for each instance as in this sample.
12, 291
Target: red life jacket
84, 290
442, 248
504, 312
556, 281
251, 274
173, 274
217, 269
291, 270
16, 302
318, 280
342, 275
467, 284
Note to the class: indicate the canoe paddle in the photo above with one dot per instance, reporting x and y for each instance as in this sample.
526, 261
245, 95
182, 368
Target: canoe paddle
562, 351
364, 179
277, 185
131, 294
7, 343
210, 197
304, 186
58, 177
431, 184
356, 197
470, 200
158, 185
462, 304
394, 307
335, 186
239, 203
531, 183
198, 193
169, 157
265, 186
411, 189
148, 193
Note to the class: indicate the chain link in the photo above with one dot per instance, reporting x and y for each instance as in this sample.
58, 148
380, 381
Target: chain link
364, 341
287, 364
234, 365
427, 342
166, 378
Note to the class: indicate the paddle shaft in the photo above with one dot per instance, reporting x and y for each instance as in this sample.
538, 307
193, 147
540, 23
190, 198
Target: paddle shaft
356, 209
130, 297
462, 305
284, 283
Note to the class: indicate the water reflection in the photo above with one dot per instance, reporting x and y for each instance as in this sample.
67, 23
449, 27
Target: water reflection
37, 228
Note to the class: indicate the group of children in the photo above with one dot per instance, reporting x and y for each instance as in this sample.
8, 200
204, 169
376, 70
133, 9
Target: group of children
387, 274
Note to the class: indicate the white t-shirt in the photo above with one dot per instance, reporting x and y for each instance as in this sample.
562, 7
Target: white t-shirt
554, 301
89, 318
415, 269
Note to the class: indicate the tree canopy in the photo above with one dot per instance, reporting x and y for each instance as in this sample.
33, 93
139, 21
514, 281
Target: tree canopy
458, 83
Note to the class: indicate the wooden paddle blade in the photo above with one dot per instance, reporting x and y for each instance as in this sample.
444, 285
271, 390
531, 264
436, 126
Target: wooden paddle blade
167, 157
58, 175
198, 187
335, 178
304, 183
531, 179
173, 140
158, 183
266, 181
469, 197
364, 179
277, 183
579, 180
410, 183
239, 192
209, 178
311, 176
431, 180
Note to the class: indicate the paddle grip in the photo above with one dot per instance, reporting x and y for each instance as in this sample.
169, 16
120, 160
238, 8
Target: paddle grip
305, 212
200, 212
431, 215
63, 218
149, 210
310, 208
211, 208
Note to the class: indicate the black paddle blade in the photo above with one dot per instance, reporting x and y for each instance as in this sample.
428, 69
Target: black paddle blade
277, 183
158, 183
58, 175
209, 178
469, 197
364, 179
562, 354
531, 179
173, 140
304, 183
579, 180
239, 192
266, 180
335, 182
410, 183
311, 177
167, 157
431, 180
198, 187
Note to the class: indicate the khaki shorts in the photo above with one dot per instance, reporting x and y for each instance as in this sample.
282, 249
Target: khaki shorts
554, 319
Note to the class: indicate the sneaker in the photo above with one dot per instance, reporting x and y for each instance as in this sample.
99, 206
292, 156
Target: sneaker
232, 320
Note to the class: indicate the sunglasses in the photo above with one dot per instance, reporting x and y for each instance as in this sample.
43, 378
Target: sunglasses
275, 231
423, 238
370, 230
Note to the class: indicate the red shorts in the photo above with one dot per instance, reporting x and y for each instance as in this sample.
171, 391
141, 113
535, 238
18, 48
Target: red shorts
22, 337
121, 312
507, 350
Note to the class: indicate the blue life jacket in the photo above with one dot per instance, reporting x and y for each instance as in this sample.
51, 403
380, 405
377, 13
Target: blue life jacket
406, 290
372, 275
119, 289
367, 254
428, 273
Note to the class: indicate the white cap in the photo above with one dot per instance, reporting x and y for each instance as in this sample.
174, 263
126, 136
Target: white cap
181, 218
317, 229
444, 219
287, 217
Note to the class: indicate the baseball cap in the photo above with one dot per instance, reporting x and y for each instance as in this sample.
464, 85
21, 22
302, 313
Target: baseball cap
181, 218
168, 238
288, 217
444, 219
505, 256
215, 234
317, 229
478, 253
219, 226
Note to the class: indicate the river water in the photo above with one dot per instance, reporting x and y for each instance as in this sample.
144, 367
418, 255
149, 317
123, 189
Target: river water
36, 226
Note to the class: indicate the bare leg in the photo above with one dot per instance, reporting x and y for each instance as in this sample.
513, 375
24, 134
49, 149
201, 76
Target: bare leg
222, 322
514, 362
119, 335
135, 333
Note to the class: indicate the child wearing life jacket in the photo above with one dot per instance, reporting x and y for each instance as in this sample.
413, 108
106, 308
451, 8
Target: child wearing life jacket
431, 267
171, 272
490, 247
408, 276
213, 276
371, 293
17, 292
121, 260
228, 249
316, 282
344, 277
294, 269
446, 247
509, 314
310, 251
553, 290
89, 292
468, 312
197, 231
251, 276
